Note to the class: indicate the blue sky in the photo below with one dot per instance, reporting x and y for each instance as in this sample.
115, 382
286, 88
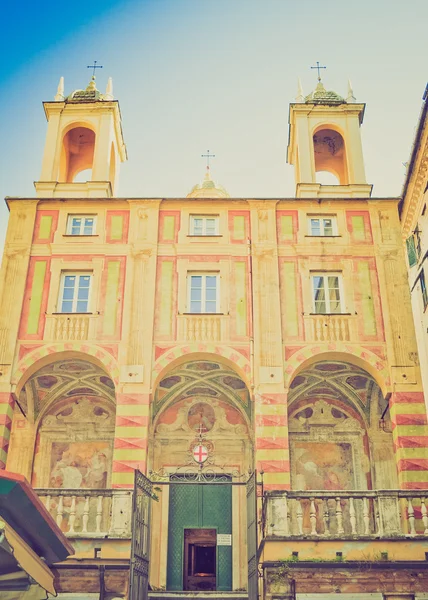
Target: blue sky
219, 74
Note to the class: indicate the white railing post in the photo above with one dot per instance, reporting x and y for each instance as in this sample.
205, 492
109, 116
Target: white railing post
313, 517
99, 514
411, 517
326, 517
60, 511
72, 517
339, 517
85, 517
352, 516
299, 516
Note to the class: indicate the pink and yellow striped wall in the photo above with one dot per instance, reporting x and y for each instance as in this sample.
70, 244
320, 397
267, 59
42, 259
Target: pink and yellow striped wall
410, 435
272, 451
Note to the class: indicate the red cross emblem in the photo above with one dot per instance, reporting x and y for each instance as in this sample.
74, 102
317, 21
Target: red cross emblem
200, 453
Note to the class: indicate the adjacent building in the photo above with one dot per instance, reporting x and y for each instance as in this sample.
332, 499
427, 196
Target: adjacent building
253, 361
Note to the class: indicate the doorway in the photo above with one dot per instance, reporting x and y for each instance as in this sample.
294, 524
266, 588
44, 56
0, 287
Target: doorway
198, 515
200, 560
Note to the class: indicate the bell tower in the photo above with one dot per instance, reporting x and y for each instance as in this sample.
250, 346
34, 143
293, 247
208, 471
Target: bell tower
84, 144
325, 136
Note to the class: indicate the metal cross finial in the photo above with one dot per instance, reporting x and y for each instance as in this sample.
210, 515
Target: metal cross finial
208, 156
318, 69
94, 66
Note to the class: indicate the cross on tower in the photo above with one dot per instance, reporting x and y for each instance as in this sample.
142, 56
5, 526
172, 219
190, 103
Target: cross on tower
94, 66
208, 156
318, 69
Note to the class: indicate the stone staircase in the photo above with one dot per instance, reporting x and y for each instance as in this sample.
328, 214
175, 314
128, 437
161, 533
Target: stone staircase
198, 595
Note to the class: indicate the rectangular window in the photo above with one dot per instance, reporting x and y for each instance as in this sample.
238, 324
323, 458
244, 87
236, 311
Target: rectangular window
75, 292
203, 293
322, 226
327, 293
423, 289
203, 225
81, 225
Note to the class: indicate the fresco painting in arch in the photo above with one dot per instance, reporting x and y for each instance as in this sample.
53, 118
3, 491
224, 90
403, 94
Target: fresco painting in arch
80, 464
322, 466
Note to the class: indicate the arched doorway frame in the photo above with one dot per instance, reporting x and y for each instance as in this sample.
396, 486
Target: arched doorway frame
237, 365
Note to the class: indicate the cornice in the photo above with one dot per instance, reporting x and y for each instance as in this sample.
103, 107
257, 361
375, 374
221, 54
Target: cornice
416, 186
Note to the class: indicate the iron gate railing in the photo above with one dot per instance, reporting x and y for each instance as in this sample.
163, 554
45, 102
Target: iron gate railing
140, 547
252, 537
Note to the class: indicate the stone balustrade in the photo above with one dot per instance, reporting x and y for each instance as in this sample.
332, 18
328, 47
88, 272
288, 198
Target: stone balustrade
90, 513
203, 328
69, 327
350, 514
329, 328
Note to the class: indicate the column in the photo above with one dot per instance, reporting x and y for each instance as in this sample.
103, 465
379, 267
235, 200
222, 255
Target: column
272, 450
130, 438
410, 435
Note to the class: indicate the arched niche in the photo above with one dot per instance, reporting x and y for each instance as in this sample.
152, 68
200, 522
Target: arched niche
207, 397
330, 154
339, 429
77, 153
65, 401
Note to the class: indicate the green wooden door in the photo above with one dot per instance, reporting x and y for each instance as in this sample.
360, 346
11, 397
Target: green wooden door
202, 506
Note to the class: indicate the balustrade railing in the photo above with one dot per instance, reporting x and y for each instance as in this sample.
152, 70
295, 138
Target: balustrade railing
329, 328
203, 328
69, 327
89, 513
351, 514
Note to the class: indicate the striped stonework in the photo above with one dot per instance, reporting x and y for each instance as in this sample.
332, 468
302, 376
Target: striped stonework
272, 452
7, 404
410, 434
130, 442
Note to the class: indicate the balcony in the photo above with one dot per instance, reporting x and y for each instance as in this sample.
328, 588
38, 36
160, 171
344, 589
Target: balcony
203, 328
329, 328
90, 513
70, 327
346, 515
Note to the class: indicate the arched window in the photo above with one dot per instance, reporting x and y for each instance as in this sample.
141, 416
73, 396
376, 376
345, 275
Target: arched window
77, 153
330, 156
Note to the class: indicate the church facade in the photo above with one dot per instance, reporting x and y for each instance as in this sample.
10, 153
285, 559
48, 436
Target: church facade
222, 395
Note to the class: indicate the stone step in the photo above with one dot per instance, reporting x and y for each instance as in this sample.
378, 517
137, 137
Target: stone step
199, 595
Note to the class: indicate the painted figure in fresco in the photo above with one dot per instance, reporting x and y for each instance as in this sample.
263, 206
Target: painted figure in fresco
66, 473
96, 476
201, 417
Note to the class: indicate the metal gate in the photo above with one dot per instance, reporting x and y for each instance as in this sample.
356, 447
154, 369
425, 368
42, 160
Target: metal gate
139, 568
252, 538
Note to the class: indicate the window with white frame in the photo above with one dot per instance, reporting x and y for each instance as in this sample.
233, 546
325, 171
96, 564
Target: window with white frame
320, 225
203, 224
81, 225
74, 294
327, 293
203, 293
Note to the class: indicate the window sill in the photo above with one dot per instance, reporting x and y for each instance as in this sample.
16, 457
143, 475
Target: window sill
192, 235
342, 314
72, 313
217, 314
80, 235
323, 236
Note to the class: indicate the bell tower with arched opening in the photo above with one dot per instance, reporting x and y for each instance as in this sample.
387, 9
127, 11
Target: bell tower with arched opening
325, 145
84, 144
